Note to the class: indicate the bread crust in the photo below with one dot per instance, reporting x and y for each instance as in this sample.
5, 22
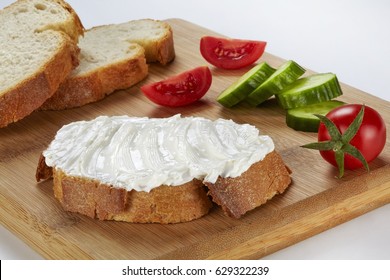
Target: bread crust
164, 204
79, 90
254, 187
43, 171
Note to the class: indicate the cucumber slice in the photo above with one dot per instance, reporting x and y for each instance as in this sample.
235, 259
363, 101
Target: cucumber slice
245, 85
302, 118
310, 90
289, 72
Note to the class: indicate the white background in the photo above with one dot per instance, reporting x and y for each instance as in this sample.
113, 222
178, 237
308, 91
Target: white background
346, 37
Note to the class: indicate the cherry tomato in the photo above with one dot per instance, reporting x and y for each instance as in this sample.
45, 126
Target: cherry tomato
182, 89
230, 53
370, 138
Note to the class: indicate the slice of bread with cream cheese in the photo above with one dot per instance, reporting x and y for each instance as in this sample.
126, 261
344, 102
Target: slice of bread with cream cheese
155, 170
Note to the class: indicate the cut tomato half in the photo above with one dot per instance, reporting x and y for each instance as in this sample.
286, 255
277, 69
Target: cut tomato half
231, 53
180, 90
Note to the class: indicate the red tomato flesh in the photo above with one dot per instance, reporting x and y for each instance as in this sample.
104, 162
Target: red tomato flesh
231, 53
370, 139
180, 90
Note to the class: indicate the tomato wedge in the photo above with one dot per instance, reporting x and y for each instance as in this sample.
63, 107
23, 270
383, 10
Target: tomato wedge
180, 90
231, 53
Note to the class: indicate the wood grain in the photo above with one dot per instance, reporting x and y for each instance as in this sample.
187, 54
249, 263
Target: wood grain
315, 202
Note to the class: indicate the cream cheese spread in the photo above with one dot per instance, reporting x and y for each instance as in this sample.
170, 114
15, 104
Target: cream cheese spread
144, 153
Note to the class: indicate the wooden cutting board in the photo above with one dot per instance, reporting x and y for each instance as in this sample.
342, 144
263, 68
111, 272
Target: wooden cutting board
316, 201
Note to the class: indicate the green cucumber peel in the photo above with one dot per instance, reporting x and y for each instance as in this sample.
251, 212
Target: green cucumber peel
304, 119
242, 87
286, 74
310, 90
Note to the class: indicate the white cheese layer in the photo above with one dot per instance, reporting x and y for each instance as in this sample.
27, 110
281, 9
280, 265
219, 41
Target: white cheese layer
144, 153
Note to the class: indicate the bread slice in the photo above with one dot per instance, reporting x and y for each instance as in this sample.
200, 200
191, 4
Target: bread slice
38, 50
170, 204
155, 36
157, 170
112, 58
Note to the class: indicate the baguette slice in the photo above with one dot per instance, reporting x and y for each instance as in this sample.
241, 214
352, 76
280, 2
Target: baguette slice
38, 50
155, 170
112, 58
170, 204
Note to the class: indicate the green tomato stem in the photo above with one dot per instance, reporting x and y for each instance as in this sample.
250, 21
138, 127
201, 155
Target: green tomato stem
339, 143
